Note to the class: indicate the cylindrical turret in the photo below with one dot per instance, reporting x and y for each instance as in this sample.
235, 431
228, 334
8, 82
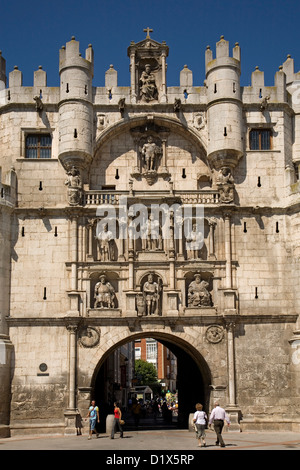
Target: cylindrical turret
75, 107
224, 106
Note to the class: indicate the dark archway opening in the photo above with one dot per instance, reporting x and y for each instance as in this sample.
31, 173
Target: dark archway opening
192, 386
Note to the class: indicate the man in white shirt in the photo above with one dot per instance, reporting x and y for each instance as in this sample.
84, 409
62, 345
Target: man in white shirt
218, 416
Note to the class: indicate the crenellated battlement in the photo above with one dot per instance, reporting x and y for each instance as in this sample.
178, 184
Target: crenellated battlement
223, 59
70, 56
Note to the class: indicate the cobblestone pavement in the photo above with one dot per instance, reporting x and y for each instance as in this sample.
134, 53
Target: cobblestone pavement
156, 440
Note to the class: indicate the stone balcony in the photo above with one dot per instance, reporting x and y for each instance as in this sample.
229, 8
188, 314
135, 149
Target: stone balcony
98, 197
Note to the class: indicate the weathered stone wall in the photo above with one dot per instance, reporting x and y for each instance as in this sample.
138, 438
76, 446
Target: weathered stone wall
263, 368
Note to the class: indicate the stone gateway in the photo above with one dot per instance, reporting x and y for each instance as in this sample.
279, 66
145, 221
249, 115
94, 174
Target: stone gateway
149, 211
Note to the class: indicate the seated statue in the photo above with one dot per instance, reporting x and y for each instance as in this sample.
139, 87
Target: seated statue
104, 294
148, 88
198, 295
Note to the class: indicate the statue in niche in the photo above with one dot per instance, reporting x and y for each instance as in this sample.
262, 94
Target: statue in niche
151, 293
74, 184
140, 304
225, 183
105, 243
104, 294
150, 232
148, 88
194, 242
198, 295
150, 153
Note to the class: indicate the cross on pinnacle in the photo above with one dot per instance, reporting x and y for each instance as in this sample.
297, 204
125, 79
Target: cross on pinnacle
148, 30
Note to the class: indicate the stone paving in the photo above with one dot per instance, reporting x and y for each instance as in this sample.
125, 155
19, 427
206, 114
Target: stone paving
156, 440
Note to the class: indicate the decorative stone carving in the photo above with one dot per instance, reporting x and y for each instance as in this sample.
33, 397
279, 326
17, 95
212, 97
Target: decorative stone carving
198, 295
105, 244
104, 294
151, 292
194, 243
200, 121
150, 153
89, 337
225, 184
74, 184
150, 232
214, 334
148, 88
140, 304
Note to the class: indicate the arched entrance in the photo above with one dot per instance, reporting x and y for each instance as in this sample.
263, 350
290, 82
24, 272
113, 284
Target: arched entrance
193, 378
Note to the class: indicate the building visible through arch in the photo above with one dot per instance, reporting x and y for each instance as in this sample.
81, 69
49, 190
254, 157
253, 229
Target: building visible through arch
149, 211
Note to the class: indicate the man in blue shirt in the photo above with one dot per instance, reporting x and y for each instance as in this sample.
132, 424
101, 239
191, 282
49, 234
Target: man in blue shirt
93, 414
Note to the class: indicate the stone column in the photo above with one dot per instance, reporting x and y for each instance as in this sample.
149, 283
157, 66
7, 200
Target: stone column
71, 413
212, 224
232, 409
163, 76
132, 78
228, 280
74, 251
130, 254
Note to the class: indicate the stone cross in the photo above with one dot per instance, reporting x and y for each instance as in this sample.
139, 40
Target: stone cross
148, 30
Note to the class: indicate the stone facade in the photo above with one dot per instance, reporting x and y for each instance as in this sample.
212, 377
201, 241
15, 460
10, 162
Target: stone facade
226, 294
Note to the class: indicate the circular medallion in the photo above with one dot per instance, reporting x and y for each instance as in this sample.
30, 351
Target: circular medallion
214, 334
89, 337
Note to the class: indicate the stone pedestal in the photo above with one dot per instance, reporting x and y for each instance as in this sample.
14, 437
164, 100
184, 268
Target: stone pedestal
72, 422
109, 423
234, 414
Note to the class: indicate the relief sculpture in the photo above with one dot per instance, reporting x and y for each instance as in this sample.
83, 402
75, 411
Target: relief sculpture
198, 295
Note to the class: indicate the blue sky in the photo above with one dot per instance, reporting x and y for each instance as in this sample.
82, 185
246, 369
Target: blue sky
32, 32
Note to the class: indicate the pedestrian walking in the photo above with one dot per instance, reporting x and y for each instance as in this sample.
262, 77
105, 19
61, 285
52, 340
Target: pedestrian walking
200, 418
117, 421
218, 416
93, 416
136, 411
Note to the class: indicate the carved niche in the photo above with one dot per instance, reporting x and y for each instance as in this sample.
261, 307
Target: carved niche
151, 147
148, 69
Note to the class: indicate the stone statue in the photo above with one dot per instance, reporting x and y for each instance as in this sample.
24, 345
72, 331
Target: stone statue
148, 88
140, 304
104, 293
150, 152
151, 292
74, 184
198, 295
150, 234
225, 183
194, 242
105, 244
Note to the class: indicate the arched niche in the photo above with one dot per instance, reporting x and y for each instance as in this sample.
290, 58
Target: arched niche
116, 155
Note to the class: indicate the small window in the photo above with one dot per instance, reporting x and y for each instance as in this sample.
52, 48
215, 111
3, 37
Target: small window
38, 146
260, 139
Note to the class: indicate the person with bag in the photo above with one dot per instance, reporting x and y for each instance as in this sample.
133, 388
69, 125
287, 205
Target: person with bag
93, 414
199, 420
118, 422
